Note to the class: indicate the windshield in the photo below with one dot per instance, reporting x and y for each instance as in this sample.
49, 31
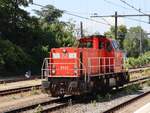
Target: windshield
115, 45
86, 44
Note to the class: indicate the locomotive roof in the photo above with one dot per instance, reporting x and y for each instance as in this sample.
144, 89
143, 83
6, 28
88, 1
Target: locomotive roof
98, 36
90, 38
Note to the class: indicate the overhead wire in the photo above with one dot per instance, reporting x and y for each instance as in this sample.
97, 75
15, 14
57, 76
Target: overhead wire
139, 10
112, 3
76, 15
90, 19
137, 20
67, 12
106, 21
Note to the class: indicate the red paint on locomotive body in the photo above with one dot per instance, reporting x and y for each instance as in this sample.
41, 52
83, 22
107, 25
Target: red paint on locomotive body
64, 61
97, 63
97, 54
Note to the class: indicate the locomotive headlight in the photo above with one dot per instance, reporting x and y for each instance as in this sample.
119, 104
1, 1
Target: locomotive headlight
53, 71
75, 67
64, 50
75, 71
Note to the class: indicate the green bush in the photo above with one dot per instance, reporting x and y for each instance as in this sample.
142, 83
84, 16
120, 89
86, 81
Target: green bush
138, 62
132, 88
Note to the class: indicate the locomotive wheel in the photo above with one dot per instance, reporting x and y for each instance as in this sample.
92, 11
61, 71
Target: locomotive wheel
61, 96
54, 94
45, 87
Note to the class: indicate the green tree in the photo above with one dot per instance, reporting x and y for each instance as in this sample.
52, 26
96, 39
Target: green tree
49, 14
52, 33
26, 40
132, 41
122, 31
12, 58
62, 32
14, 20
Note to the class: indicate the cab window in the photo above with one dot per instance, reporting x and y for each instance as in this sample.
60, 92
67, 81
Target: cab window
115, 45
86, 44
108, 46
101, 45
89, 44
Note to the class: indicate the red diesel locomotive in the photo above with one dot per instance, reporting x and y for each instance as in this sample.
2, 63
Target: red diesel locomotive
97, 64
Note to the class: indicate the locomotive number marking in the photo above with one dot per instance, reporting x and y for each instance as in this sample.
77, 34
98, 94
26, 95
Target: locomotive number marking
64, 68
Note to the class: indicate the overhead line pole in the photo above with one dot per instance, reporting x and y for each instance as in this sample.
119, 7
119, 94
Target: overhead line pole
122, 15
116, 26
81, 29
116, 19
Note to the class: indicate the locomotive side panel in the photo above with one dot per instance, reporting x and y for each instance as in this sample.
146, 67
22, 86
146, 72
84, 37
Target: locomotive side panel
90, 53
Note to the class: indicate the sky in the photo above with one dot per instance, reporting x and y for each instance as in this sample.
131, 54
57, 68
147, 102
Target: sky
87, 8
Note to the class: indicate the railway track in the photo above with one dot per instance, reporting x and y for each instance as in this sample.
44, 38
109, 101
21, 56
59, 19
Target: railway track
46, 107
18, 90
59, 103
143, 79
55, 104
138, 69
17, 80
123, 105
29, 88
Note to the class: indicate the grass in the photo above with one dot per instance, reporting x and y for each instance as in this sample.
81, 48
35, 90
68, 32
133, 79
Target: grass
99, 98
146, 72
22, 94
106, 97
13, 97
3, 84
128, 90
148, 83
38, 109
34, 91
94, 103
133, 88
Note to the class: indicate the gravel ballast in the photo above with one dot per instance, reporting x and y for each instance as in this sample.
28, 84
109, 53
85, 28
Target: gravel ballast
99, 107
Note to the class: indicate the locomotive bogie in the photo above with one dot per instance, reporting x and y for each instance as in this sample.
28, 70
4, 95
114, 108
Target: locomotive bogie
77, 86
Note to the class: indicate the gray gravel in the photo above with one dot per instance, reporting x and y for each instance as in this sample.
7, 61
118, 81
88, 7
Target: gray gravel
97, 107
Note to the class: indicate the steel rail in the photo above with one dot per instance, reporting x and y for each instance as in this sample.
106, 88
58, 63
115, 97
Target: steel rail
60, 103
29, 88
18, 80
18, 90
140, 79
122, 105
